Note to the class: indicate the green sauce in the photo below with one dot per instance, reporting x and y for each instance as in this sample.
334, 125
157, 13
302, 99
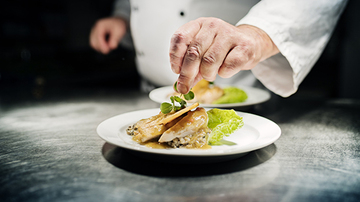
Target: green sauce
231, 95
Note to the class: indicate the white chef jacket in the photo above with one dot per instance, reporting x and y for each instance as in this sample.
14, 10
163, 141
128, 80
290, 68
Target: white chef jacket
300, 30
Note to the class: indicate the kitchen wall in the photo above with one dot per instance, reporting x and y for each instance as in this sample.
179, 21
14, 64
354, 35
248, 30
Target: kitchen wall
48, 42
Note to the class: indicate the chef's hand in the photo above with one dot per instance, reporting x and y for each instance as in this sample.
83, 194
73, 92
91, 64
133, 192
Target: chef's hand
107, 33
205, 47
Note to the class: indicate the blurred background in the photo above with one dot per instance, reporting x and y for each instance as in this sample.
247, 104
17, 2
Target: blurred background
44, 45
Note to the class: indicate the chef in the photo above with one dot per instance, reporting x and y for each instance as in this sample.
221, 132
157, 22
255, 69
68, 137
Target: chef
276, 42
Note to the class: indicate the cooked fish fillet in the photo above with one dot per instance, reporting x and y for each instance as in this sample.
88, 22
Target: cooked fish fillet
150, 128
208, 95
147, 129
190, 124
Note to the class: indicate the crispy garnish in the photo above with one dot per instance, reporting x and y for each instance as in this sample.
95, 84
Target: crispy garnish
178, 113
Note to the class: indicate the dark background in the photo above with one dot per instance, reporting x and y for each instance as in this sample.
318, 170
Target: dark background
45, 45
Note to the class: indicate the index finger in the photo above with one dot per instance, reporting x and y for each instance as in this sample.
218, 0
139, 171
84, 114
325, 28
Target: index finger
179, 43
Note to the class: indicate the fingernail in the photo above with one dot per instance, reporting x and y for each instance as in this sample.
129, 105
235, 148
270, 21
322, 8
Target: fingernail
183, 89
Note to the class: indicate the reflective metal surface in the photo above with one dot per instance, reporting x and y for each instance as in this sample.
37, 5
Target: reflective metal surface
49, 151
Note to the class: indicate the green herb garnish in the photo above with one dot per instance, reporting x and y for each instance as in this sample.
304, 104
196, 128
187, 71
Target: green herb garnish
189, 96
166, 107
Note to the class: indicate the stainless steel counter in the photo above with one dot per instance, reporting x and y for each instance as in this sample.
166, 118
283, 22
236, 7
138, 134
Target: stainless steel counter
50, 151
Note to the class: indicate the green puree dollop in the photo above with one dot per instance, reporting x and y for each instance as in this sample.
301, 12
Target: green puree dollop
231, 95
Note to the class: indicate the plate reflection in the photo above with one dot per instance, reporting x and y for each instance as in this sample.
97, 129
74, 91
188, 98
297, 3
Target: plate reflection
156, 165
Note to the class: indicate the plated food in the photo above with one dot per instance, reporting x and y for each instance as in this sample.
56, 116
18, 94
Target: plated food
208, 93
185, 127
192, 127
182, 129
228, 134
254, 96
257, 132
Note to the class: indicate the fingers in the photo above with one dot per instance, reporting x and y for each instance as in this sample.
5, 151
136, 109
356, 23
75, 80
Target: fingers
189, 69
114, 38
206, 47
93, 39
179, 50
180, 42
116, 34
197, 79
98, 38
214, 57
239, 58
103, 45
115, 28
193, 56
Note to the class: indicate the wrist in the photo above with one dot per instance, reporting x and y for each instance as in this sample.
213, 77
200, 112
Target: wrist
265, 46
122, 21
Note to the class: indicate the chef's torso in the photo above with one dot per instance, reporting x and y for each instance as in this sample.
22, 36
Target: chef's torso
153, 22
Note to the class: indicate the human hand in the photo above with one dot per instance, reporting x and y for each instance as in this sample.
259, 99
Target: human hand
113, 27
205, 47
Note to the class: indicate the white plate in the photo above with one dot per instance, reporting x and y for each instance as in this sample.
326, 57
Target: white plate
255, 96
256, 133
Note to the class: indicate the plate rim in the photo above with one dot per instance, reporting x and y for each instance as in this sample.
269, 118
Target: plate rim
144, 149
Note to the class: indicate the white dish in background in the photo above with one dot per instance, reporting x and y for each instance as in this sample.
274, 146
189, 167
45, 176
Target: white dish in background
255, 96
256, 133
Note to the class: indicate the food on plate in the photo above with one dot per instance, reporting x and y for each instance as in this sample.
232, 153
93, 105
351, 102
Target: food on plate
222, 123
185, 127
153, 127
231, 95
208, 93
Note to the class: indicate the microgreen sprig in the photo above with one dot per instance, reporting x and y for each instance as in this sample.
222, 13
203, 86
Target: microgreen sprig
166, 107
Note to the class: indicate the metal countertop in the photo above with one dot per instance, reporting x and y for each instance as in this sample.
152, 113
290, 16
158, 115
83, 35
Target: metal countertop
50, 151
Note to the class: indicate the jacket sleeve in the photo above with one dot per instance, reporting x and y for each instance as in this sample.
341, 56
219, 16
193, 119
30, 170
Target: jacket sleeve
122, 9
300, 30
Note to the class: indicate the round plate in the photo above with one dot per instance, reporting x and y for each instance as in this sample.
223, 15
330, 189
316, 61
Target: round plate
256, 133
255, 96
